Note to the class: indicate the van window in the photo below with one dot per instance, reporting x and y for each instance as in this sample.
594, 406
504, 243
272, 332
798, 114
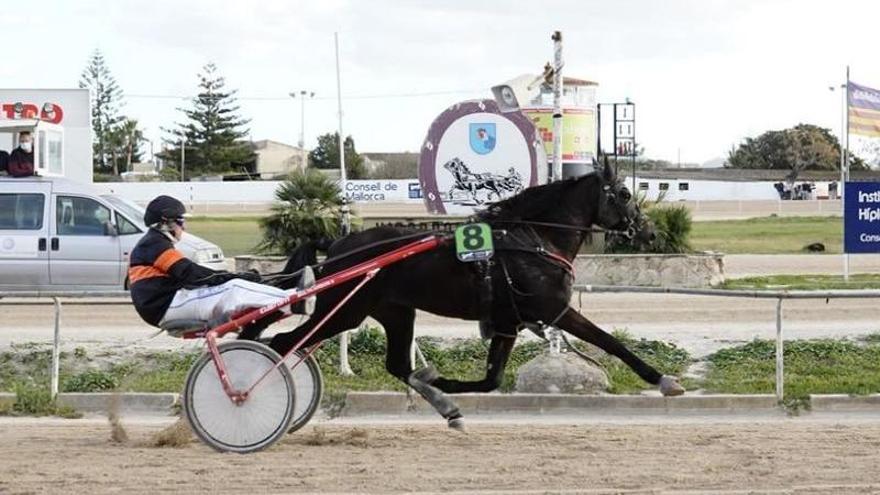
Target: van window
21, 211
125, 227
80, 216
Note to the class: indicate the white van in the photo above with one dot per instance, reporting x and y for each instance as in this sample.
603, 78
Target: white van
60, 235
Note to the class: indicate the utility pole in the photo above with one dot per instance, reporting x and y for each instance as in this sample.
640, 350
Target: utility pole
556, 170
844, 172
344, 367
346, 225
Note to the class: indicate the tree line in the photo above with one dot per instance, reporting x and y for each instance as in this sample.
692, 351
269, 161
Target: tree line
211, 138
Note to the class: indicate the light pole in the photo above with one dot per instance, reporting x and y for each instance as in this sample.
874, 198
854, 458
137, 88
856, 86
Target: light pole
302, 122
844, 169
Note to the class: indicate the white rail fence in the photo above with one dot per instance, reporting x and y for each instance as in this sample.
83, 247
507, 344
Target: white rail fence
117, 297
122, 297
779, 295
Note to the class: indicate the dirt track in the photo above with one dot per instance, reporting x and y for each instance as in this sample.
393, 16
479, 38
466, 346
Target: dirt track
784, 456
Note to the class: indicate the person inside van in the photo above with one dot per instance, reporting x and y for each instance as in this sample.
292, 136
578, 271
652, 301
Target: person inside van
165, 285
21, 160
4, 161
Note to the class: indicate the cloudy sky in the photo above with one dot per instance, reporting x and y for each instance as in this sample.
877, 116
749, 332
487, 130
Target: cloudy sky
704, 74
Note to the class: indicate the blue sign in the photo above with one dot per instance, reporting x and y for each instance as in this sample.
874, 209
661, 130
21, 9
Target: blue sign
482, 137
861, 217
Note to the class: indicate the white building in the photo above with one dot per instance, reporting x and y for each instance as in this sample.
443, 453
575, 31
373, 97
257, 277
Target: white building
276, 159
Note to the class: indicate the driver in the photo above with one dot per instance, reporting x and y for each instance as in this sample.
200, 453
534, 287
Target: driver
165, 285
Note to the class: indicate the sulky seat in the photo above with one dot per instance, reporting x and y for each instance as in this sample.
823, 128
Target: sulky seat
176, 328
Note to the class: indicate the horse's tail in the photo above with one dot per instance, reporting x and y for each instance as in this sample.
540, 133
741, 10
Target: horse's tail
306, 254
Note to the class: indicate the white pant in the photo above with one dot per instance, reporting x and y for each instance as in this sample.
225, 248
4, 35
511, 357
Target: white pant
208, 303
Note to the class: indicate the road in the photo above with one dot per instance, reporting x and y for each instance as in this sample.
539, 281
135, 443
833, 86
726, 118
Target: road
700, 324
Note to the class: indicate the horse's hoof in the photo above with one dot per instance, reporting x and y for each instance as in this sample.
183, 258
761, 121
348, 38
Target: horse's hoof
456, 424
670, 387
427, 375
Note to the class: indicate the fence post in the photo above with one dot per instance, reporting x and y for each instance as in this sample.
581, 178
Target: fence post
344, 367
780, 376
56, 349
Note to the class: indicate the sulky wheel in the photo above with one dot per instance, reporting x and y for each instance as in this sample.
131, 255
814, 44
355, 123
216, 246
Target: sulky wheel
309, 385
252, 425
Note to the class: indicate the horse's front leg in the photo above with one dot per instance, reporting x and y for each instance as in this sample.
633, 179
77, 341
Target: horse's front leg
499, 352
398, 322
582, 328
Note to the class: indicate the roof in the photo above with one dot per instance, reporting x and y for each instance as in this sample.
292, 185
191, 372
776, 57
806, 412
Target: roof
264, 143
743, 175
571, 81
392, 156
59, 184
18, 125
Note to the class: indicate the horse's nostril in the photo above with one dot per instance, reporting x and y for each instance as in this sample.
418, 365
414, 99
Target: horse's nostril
653, 237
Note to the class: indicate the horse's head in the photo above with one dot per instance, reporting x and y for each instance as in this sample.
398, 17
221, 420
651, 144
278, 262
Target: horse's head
453, 165
618, 211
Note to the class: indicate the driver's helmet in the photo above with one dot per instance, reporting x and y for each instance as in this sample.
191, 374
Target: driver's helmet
162, 210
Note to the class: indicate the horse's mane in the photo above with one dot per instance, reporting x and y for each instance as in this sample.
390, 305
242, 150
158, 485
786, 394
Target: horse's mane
533, 201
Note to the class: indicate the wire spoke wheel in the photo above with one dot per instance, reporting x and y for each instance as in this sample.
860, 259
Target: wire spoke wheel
252, 425
309, 385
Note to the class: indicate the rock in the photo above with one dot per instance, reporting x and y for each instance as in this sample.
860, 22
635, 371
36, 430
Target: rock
563, 373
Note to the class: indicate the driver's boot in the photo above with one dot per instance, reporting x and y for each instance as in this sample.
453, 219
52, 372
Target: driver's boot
306, 280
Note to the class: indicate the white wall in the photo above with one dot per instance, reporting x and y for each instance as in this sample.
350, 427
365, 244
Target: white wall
359, 191
714, 190
399, 191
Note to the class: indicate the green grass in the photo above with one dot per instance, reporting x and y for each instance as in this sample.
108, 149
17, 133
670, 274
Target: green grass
27, 366
666, 357
804, 282
822, 366
811, 367
235, 235
767, 235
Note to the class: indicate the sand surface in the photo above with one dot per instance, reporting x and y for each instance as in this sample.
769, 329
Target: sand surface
785, 456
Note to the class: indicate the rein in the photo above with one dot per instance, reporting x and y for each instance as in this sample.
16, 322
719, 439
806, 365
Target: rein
281, 276
565, 226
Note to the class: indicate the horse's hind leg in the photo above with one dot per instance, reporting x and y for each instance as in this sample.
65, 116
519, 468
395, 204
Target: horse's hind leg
499, 352
582, 328
398, 322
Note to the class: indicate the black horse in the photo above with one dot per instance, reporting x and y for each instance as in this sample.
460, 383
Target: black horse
538, 234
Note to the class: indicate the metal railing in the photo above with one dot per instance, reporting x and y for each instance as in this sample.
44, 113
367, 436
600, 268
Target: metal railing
779, 295
56, 300
122, 297
114, 297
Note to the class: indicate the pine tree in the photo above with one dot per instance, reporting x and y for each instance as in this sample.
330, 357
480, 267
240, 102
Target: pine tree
213, 130
326, 156
106, 101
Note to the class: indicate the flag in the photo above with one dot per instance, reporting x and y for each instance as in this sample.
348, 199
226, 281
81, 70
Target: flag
864, 110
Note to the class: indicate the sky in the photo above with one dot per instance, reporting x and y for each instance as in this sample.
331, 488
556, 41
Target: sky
704, 74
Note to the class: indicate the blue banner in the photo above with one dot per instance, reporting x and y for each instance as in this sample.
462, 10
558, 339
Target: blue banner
861, 217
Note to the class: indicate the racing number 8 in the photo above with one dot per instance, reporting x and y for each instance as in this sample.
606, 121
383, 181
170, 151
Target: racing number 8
472, 237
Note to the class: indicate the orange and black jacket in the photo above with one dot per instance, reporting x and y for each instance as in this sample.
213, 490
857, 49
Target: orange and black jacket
157, 271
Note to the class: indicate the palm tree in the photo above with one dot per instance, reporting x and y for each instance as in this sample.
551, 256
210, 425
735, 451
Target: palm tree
308, 208
131, 138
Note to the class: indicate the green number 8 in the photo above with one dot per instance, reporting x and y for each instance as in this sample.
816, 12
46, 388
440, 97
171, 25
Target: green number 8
472, 236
